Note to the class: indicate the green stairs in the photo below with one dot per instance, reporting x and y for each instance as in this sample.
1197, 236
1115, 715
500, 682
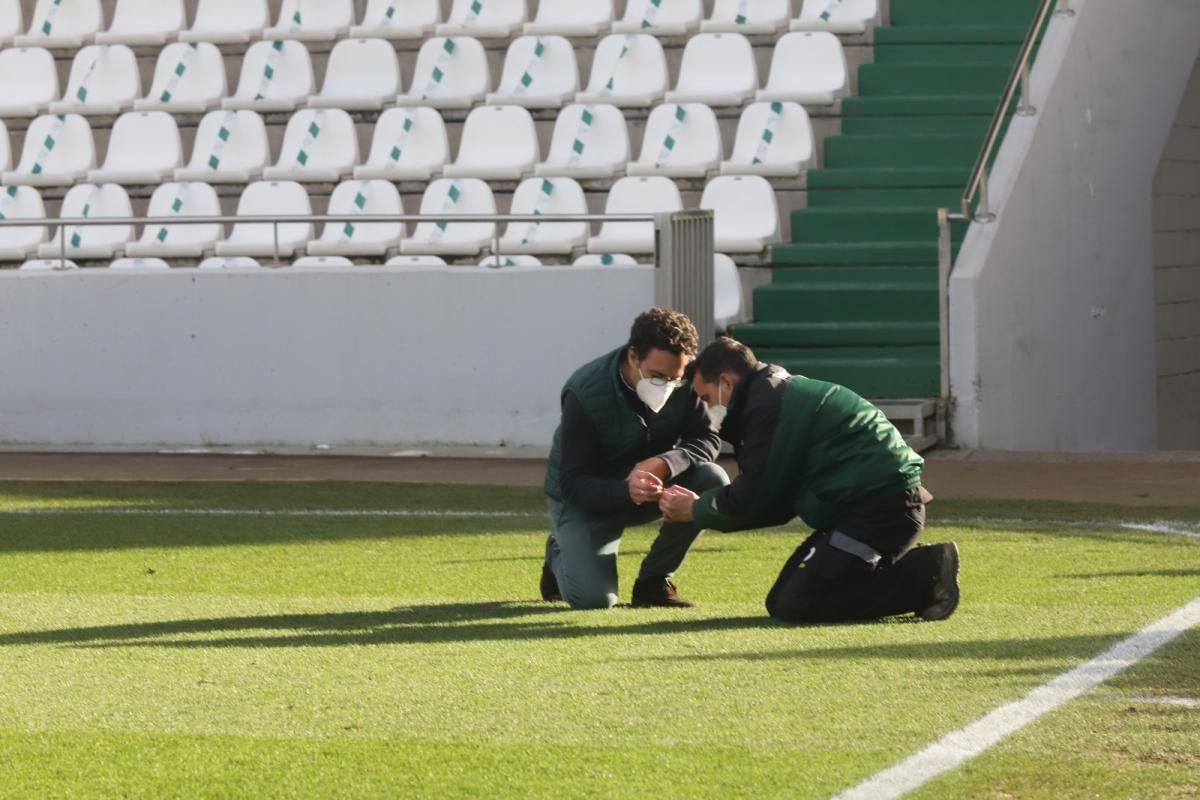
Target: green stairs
853, 295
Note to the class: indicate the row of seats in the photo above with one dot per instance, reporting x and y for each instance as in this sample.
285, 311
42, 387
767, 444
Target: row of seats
718, 69
746, 219
497, 143
73, 23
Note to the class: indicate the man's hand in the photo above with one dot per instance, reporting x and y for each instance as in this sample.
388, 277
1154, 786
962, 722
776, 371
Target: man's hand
644, 487
655, 466
676, 504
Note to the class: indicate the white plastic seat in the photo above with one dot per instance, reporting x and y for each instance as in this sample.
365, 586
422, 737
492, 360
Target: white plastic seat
320, 145
57, 24
28, 81
189, 78
505, 260
21, 202
73, 152
636, 79
727, 290
572, 18
546, 196
322, 262
180, 241
539, 72
384, 19
48, 265
644, 195
718, 69
605, 260
660, 17
144, 147
230, 147
5, 149
139, 263
409, 144
276, 76
12, 21
453, 196
756, 17
361, 238
144, 22
362, 75
276, 199
844, 16
227, 21
588, 142
230, 262
419, 262
312, 20
449, 73
681, 141
104, 80
498, 142
773, 139
490, 19
745, 213
92, 201
807, 68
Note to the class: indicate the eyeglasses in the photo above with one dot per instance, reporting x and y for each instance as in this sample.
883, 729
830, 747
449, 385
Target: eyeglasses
658, 380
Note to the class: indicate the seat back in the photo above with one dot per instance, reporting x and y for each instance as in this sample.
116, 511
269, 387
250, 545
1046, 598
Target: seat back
548, 196
727, 289
139, 263
364, 197
638, 195
743, 206
316, 15
148, 17
323, 138
142, 140
191, 199
454, 66
847, 16
276, 70
605, 260
27, 76
786, 139
641, 68
5, 149
53, 19
231, 16
591, 135
189, 72
21, 202
362, 68
809, 60
498, 137
92, 201
662, 13
416, 13
232, 140
456, 196
72, 150
682, 135
410, 137
490, 14
272, 199
571, 13
539, 66
718, 63
102, 74
761, 12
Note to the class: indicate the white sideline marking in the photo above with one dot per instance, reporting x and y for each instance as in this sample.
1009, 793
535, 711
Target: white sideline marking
958, 747
1161, 526
1186, 702
266, 512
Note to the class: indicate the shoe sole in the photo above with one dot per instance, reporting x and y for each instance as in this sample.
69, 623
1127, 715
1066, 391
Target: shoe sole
949, 575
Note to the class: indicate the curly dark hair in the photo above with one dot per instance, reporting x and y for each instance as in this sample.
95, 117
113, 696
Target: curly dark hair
663, 329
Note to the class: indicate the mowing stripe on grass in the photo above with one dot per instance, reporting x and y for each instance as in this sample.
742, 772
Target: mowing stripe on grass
960, 746
267, 512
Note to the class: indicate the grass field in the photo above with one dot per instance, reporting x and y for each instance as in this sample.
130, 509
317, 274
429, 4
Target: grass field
209, 640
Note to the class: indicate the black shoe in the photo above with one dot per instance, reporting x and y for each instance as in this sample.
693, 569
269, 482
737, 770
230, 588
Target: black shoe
657, 592
549, 585
945, 590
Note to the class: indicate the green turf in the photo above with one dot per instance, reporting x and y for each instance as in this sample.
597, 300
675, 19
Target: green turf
241, 655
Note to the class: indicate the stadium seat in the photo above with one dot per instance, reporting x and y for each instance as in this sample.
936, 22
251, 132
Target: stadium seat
312, 20
230, 147
660, 17
258, 239
5, 148
58, 151
180, 241
189, 78
104, 79
745, 214
28, 81
681, 141
144, 147
92, 201
21, 202
48, 265
640, 195
572, 18
366, 238
230, 262
12, 22
807, 68
320, 145
773, 139
718, 69
843, 16
490, 19
410, 144
627, 71
420, 262
276, 76
539, 72
498, 143
227, 21
55, 24
384, 20
139, 263
546, 196
362, 75
588, 142
505, 260
453, 196
727, 290
449, 73
606, 260
738, 16
144, 22
322, 262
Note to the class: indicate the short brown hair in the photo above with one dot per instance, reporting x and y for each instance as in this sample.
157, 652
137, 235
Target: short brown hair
663, 329
723, 355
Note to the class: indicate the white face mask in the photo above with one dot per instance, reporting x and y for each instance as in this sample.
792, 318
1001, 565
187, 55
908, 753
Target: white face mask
717, 411
655, 397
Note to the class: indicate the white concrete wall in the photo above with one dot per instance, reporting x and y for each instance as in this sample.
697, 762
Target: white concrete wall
369, 357
1052, 305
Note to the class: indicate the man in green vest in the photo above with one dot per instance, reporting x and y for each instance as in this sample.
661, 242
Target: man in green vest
818, 451
630, 427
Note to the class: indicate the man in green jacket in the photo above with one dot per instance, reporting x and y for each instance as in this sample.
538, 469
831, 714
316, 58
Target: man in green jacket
630, 426
818, 451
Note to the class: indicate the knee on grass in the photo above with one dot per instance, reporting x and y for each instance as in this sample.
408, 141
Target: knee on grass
591, 600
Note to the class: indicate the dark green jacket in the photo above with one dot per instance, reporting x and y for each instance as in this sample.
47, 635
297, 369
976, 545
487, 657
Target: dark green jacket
807, 449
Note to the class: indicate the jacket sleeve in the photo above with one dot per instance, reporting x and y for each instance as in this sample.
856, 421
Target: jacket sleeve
698, 442
581, 448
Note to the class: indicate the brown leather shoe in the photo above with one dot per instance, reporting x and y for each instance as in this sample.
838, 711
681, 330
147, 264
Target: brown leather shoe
657, 592
549, 585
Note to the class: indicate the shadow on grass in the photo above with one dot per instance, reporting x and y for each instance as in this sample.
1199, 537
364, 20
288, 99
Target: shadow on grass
1137, 573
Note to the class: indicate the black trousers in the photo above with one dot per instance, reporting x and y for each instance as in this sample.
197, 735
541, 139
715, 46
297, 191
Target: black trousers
822, 583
